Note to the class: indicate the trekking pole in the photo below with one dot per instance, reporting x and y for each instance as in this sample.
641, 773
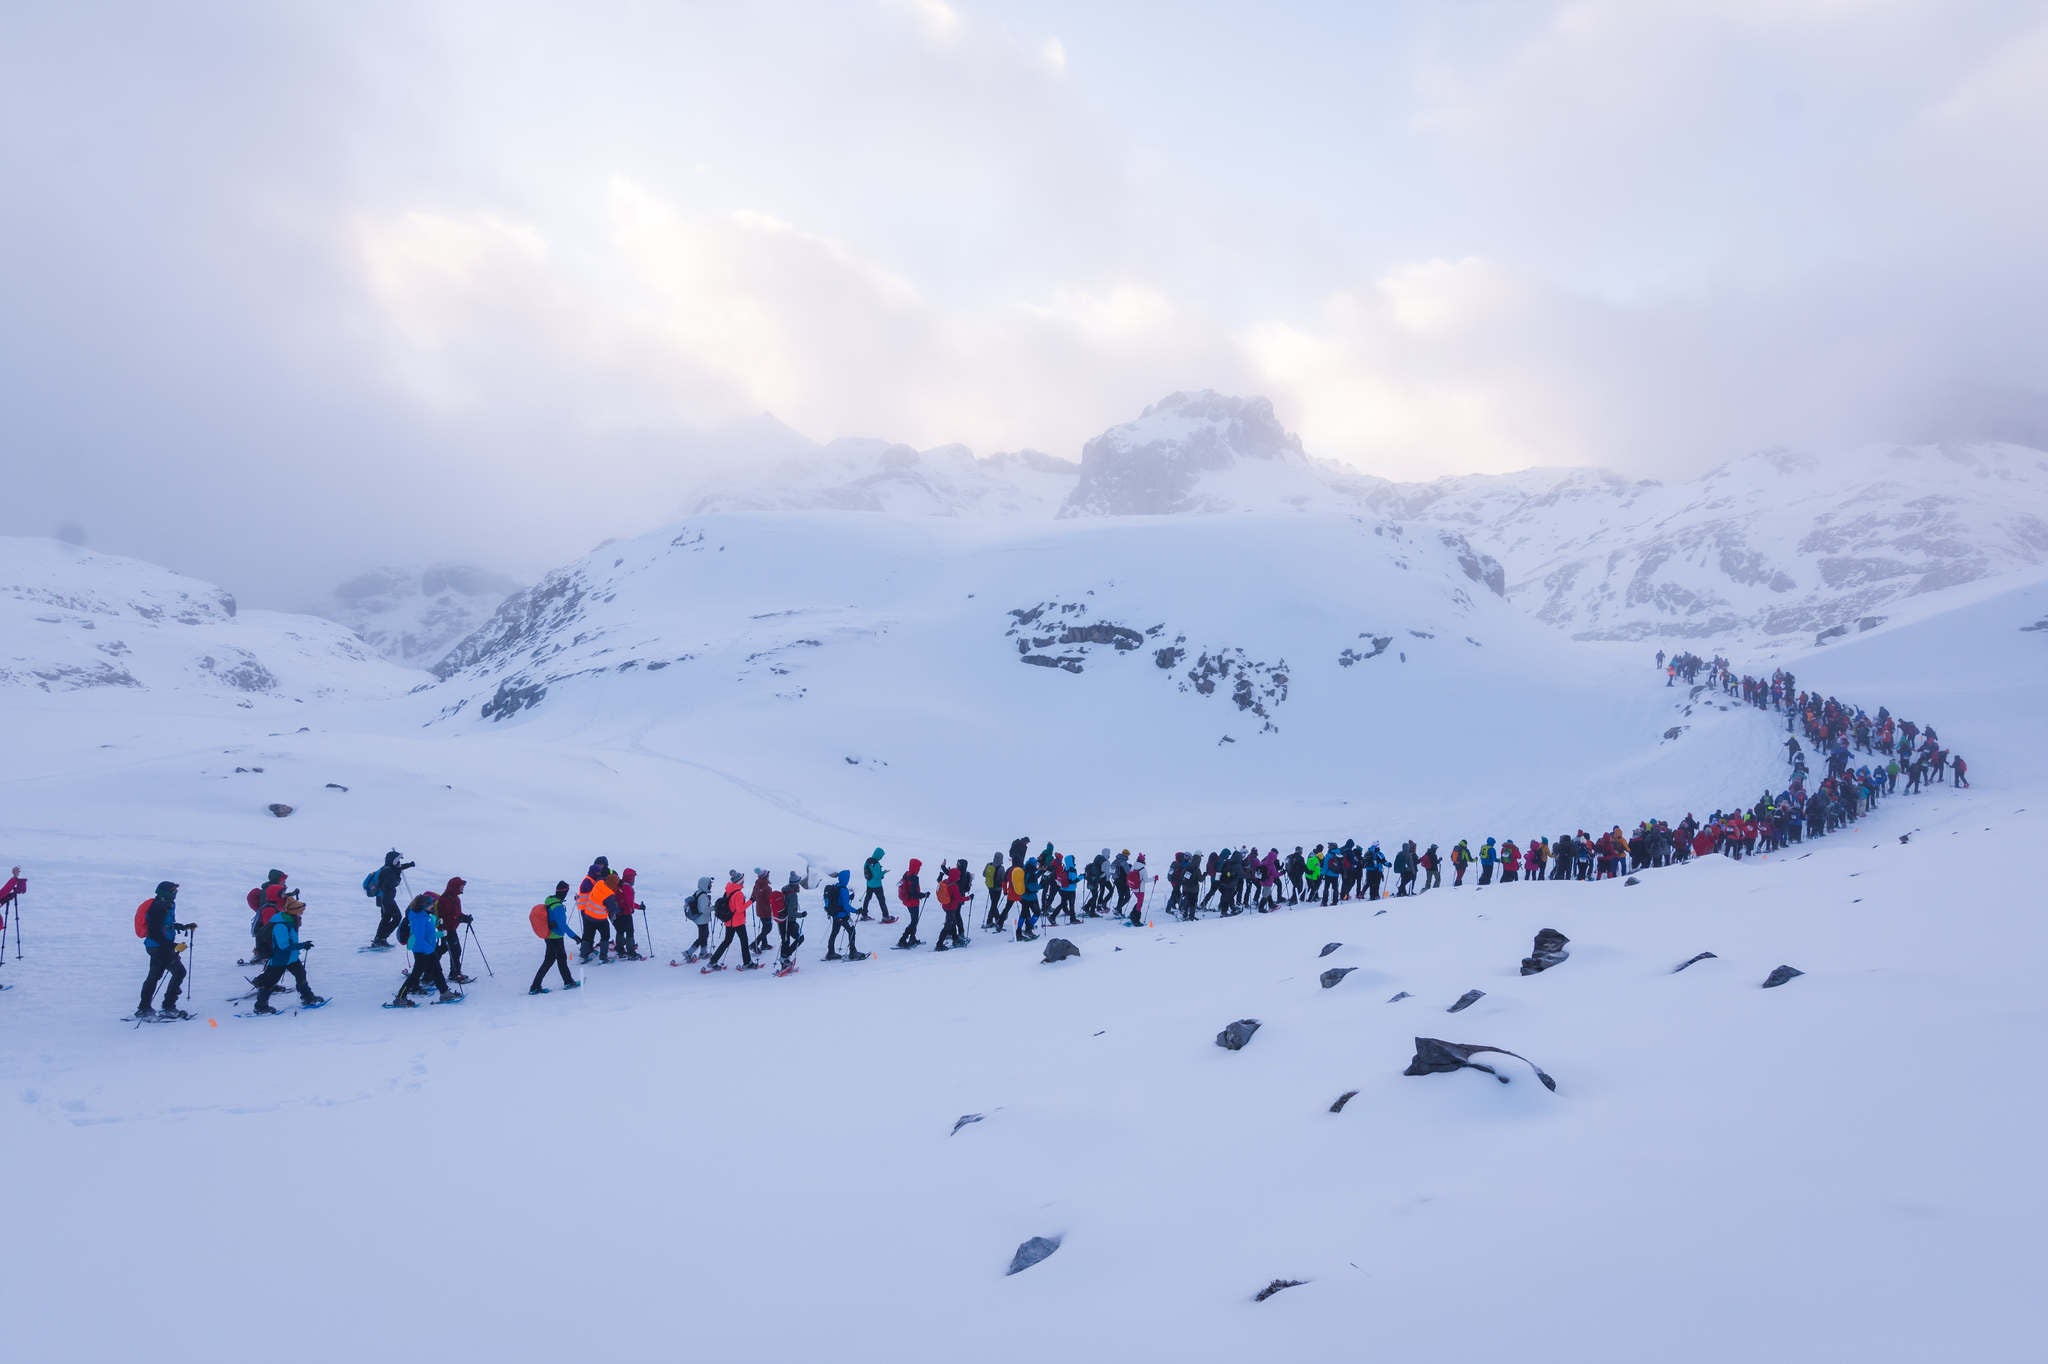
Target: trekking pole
480, 951
191, 958
648, 911
17, 926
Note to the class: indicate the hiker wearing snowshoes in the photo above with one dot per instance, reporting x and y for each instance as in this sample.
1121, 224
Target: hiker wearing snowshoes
157, 922
422, 930
287, 957
592, 899
1027, 902
839, 904
992, 878
1461, 858
762, 898
264, 902
448, 909
788, 915
698, 909
384, 890
732, 912
1134, 882
550, 919
911, 894
625, 903
871, 871
952, 895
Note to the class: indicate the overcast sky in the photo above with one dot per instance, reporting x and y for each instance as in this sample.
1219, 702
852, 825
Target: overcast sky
287, 290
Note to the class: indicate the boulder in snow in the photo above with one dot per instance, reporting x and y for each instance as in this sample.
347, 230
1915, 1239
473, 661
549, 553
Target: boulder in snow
1346, 1097
1695, 957
1632, 881
1328, 948
1399, 997
1031, 1252
1434, 1056
1059, 949
1335, 974
280, 810
1781, 975
336, 786
1466, 1001
1237, 1034
964, 1120
1549, 951
1274, 1287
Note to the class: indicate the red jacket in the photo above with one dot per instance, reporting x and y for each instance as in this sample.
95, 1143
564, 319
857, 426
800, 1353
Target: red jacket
1703, 843
449, 906
907, 888
625, 900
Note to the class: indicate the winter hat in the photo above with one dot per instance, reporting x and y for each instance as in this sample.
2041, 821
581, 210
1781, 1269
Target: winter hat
167, 890
703, 884
628, 874
276, 877
561, 887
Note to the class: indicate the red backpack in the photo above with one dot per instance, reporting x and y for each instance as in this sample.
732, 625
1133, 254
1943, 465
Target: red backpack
142, 917
538, 917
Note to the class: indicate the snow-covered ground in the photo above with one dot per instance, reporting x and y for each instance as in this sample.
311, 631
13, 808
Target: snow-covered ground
735, 1167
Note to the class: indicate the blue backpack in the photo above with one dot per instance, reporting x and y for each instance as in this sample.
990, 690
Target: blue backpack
370, 883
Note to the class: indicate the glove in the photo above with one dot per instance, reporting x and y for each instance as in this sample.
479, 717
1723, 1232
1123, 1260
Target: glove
184, 928
469, 918
307, 946
177, 947
578, 939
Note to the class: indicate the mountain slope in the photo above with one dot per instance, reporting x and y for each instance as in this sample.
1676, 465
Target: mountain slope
413, 616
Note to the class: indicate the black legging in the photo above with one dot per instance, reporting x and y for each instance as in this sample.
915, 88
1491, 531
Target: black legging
628, 940
791, 936
557, 955
953, 933
703, 943
273, 975
839, 922
451, 944
735, 933
426, 970
163, 961
910, 934
387, 919
874, 894
597, 937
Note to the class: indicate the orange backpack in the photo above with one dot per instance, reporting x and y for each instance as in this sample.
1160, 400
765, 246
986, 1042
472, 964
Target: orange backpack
538, 917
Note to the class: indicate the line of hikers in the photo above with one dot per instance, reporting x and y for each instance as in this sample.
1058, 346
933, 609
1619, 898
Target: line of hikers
1039, 889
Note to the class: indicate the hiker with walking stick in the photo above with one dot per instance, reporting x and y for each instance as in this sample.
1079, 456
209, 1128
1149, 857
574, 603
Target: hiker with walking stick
448, 909
10, 898
156, 924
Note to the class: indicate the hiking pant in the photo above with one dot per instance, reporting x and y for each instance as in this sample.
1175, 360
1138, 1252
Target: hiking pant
703, 943
791, 936
387, 919
840, 922
273, 975
558, 956
451, 946
1433, 879
628, 942
426, 970
1459, 878
163, 961
260, 931
953, 933
995, 895
874, 894
910, 932
1485, 873
1294, 880
766, 918
1123, 898
597, 937
735, 932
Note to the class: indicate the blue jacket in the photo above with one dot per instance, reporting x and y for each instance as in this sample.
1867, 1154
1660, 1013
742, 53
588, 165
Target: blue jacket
873, 870
558, 918
284, 941
423, 931
838, 899
1486, 853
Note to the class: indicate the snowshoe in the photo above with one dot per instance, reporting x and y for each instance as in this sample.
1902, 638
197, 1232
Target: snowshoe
264, 1009
832, 956
143, 1014
787, 968
573, 985
451, 998
751, 966
462, 980
403, 1002
378, 947
891, 918
714, 966
316, 1002
858, 956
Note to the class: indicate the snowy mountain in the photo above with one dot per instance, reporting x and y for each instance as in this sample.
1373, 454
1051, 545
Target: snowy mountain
1772, 546
413, 616
1196, 452
73, 620
857, 475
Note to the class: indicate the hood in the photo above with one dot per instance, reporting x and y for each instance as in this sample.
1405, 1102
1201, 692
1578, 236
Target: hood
703, 884
391, 858
878, 852
167, 890
599, 868
915, 866
842, 878
627, 875
276, 878
456, 885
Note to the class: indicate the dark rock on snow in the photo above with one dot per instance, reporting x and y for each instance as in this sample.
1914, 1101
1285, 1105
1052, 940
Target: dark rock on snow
1398, 998
1466, 1001
336, 786
965, 1119
1274, 1287
1632, 881
1328, 948
1695, 957
1031, 1252
1237, 1034
280, 810
1781, 975
1059, 949
1433, 1056
1335, 974
1548, 952
1346, 1097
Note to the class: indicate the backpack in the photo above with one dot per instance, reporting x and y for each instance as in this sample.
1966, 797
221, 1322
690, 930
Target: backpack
538, 917
142, 917
370, 883
256, 899
697, 909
